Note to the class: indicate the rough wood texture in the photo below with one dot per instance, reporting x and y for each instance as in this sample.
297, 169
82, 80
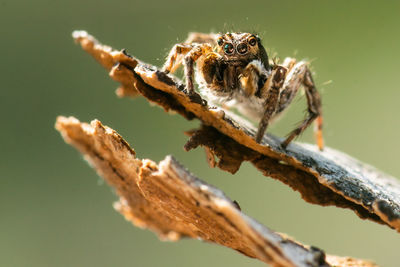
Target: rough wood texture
170, 201
325, 178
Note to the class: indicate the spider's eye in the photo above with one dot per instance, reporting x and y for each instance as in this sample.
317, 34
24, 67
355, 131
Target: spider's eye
220, 41
228, 48
253, 41
242, 48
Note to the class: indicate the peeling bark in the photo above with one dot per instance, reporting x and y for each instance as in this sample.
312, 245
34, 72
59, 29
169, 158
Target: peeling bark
325, 178
170, 201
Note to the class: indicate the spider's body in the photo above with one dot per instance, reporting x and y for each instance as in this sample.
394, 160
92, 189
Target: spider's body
233, 69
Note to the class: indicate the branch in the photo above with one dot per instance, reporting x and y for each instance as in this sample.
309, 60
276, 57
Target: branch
170, 201
325, 178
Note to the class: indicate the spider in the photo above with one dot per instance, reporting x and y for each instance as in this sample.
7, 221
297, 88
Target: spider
233, 70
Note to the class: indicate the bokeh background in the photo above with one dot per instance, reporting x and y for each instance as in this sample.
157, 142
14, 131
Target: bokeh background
54, 209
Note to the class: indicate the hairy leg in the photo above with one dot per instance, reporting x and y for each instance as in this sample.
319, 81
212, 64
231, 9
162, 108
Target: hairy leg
202, 38
189, 53
175, 56
271, 88
197, 51
301, 75
177, 52
292, 84
315, 99
289, 63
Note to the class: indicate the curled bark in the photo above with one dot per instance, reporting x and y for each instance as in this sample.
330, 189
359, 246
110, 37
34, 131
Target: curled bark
325, 178
170, 201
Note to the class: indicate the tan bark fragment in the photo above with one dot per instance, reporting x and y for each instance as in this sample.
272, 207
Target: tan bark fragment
170, 201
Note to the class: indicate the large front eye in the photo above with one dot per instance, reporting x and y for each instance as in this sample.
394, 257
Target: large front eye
228, 48
242, 48
220, 41
252, 41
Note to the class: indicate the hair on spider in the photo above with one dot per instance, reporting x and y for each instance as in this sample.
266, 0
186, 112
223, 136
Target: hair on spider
233, 69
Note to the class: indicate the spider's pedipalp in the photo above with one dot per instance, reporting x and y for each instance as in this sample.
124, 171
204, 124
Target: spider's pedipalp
252, 78
209, 69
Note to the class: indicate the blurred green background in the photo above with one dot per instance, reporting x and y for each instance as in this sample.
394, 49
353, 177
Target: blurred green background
55, 211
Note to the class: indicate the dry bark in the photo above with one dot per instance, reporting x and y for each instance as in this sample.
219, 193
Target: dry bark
170, 201
325, 178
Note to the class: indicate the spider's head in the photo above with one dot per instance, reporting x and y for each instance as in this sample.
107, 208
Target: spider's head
241, 47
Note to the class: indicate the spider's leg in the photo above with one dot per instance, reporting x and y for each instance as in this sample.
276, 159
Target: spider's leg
289, 63
294, 80
271, 88
202, 38
175, 56
301, 75
316, 102
197, 51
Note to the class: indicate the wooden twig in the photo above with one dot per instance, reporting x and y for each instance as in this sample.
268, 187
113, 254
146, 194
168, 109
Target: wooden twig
170, 201
325, 178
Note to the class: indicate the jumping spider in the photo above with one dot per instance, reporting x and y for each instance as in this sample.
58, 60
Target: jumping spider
233, 69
